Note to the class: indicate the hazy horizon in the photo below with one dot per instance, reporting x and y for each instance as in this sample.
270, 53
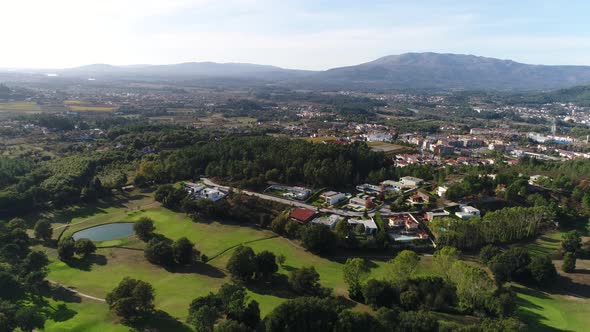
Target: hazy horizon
312, 35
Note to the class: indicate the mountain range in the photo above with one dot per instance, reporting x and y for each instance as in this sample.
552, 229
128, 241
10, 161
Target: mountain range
431, 71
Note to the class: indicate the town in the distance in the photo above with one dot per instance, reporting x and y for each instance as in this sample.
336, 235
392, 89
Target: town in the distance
235, 197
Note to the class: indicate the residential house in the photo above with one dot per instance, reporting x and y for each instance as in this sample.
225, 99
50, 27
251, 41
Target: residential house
332, 197
329, 221
430, 215
467, 212
441, 190
370, 225
411, 181
302, 215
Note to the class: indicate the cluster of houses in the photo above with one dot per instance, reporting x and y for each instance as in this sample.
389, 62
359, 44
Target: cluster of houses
305, 216
199, 191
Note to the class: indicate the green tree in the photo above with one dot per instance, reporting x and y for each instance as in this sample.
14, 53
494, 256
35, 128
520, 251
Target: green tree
292, 229
443, 259
131, 299
542, 270
317, 238
43, 230
159, 251
29, 319
266, 265
356, 270
231, 325
473, 284
306, 281
144, 228
569, 262
279, 222
488, 253
403, 266
184, 251
571, 241
203, 319
85, 247
66, 248
241, 264
303, 314
379, 293
352, 321
11, 288
511, 265
420, 321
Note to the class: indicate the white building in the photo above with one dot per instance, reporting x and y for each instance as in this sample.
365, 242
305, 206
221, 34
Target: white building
430, 215
369, 188
441, 191
329, 221
467, 212
197, 191
411, 181
370, 225
332, 197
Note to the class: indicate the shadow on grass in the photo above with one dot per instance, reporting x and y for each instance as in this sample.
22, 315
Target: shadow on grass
534, 321
62, 313
198, 268
580, 271
58, 293
86, 263
159, 321
566, 286
288, 268
277, 286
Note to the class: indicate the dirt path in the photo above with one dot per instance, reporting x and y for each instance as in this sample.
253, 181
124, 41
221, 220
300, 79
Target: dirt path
77, 292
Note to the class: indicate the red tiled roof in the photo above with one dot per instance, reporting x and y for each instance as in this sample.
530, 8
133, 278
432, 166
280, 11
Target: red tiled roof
302, 215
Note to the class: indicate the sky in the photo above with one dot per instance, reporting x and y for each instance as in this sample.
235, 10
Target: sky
304, 34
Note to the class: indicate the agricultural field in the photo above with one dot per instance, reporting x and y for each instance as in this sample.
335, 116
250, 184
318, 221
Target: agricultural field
80, 106
22, 106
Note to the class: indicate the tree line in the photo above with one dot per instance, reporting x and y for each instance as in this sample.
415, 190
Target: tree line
502, 226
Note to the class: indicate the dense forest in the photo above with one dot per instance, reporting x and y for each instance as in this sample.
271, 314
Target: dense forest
253, 160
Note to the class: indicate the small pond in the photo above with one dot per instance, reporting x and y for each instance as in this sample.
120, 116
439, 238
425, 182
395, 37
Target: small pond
105, 232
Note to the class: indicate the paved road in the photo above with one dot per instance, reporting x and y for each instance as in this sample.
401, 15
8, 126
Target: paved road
284, 200
384, 210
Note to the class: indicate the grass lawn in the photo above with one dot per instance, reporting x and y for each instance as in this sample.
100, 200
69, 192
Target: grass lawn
83, 316
550, 312
175, 289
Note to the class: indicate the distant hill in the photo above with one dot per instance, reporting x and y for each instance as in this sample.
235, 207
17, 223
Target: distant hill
575, 94
188, 69
452, 71
410, 71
